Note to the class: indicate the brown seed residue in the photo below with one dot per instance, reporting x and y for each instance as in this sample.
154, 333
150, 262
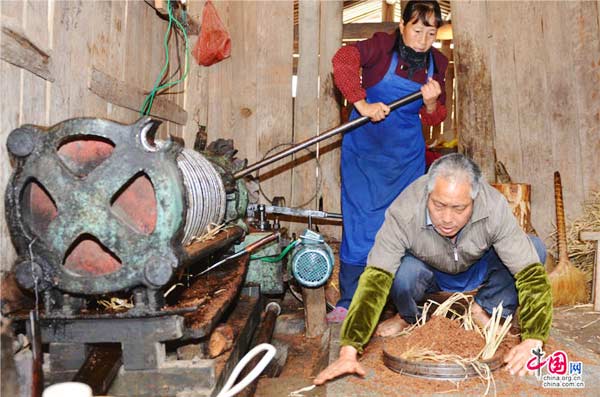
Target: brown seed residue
213, 292
441, 335
382, 381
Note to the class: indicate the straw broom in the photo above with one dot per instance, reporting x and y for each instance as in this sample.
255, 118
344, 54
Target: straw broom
568, 282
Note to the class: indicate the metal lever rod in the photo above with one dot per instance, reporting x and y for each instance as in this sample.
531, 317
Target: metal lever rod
246, 250
325, 135
273, 209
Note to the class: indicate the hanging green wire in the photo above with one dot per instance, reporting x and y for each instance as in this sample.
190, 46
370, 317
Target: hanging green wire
273, 259
147, 105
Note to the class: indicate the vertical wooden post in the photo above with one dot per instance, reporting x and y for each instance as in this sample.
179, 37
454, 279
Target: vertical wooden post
314, 311
449, 87
160, 6
402, 6
596, 277
306, 105
331, 28
387, 11
475, 117
196, 90
274, 68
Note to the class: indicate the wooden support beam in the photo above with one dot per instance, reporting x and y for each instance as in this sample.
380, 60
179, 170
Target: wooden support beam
329, 113
387, 11
314, 311
306, 105
449, 87
17, 49
475, 108
100, 368
221, 340
191, 24
594, 236
121, 93
264, 334
160, 6
359, 31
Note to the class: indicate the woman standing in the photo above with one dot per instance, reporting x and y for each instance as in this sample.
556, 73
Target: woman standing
381, 158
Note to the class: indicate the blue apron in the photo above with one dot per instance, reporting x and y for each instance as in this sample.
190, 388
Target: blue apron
379, 160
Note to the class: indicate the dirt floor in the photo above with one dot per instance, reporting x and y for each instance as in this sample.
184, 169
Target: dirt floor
306, 356
380, 381
575, 331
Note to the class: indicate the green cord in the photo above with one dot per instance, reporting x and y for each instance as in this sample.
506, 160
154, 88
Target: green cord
273, 259
148, 102
145, 110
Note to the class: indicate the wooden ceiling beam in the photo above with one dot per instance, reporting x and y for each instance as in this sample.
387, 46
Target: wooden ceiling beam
359, 31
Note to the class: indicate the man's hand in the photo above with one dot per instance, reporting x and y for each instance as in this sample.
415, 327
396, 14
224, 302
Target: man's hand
516, 359
374, 111
345, 364
431, 92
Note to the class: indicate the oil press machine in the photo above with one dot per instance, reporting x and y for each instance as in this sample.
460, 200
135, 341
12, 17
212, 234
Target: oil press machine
98, 209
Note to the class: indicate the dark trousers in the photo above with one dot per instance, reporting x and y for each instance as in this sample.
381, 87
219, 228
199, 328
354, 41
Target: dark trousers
414, 279
349, 275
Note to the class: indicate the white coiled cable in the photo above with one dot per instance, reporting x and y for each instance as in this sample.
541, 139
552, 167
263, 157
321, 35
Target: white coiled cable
228, 390
205, 194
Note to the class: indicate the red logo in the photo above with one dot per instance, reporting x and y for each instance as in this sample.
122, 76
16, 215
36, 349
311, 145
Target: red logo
556, 363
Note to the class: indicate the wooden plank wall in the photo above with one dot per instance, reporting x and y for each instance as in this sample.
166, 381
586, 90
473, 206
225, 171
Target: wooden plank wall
122, 38
249, 94
248, 97
544, 64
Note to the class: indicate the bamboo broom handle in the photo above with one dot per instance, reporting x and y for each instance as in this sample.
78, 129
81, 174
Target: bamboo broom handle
561, 230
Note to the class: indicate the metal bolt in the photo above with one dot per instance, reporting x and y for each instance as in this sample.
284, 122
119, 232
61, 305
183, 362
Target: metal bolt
26, 272
21, 142
158, 272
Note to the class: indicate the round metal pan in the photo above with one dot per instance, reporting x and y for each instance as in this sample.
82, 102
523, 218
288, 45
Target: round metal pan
436, 370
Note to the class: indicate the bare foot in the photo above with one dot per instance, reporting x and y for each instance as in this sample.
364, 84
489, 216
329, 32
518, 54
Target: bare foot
391, 326
480, 316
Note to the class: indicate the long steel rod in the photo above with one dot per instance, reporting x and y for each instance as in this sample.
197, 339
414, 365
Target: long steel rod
37, 372
327, 134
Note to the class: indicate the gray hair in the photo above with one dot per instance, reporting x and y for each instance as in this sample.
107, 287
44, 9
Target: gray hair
453, 166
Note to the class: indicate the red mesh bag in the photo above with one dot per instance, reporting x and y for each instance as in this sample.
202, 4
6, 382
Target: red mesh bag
214, 42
